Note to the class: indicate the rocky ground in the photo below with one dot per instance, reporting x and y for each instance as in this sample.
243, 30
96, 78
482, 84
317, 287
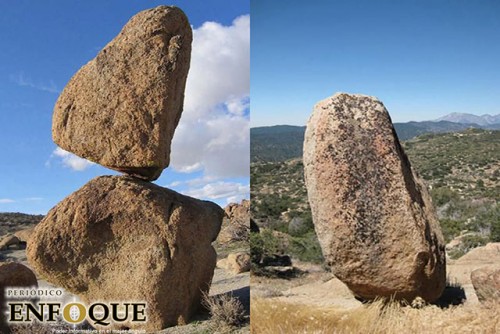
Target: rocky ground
319, 290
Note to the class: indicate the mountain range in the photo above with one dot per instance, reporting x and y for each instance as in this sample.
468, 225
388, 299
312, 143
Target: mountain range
483, 120
283, 142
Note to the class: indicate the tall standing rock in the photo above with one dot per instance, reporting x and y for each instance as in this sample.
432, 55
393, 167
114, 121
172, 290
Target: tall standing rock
122, 239
121, 109
372, 214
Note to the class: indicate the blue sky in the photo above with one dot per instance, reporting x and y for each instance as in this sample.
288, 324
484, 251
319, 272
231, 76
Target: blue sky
45, 42
423, 59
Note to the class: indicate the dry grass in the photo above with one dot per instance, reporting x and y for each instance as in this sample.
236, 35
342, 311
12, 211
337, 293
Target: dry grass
270, 316
226, 312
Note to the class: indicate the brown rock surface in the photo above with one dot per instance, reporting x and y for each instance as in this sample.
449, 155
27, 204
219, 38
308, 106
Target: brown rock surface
459, 271
24, 235
236, 224
487, 254
239, 212
236, 262
9, 240
372, 214
486, 282
121, 239
13, 274
121, 109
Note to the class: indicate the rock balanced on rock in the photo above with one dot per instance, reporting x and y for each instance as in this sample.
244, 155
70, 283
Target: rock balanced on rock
373, 216
121, 109
122, 238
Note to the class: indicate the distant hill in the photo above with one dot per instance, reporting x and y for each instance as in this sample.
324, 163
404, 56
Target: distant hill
11, 222
483, 120
411, 130
283, 142
19, 218
276, 143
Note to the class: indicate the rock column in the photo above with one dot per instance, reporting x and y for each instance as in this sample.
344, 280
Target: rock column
372, 214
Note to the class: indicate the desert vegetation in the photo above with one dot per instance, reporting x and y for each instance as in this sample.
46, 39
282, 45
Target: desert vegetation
461, 169
13, 221
227, 312
271, 316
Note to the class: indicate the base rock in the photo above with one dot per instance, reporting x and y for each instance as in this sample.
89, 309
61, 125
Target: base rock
122, 239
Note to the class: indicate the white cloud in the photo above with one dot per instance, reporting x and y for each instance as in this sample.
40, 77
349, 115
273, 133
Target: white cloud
174, 184
213, 134
196, 182
237, 106
220, 65
33, 199
219, 145
25, 81
6, 200
72, 161
232, 191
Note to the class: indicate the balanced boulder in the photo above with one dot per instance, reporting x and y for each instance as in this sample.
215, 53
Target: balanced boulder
121, 109
373, 216
122, 239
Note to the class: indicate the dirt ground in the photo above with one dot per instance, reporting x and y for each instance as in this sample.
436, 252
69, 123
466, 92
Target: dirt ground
318, 287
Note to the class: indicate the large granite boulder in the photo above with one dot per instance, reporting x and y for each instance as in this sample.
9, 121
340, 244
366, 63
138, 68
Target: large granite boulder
373, 216
121, 109
122, 239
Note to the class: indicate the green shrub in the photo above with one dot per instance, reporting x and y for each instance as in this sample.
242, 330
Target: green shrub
451, 228
468, 243
490, 219
265, 244
472, 241
495, 231
271, 206
441, 196
306, 248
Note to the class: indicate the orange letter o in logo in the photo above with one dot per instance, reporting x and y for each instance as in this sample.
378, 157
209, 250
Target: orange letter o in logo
74, 313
